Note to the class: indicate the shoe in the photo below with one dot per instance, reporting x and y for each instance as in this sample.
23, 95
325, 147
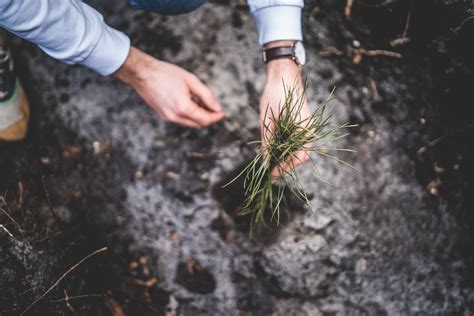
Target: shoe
14, 116
14, 107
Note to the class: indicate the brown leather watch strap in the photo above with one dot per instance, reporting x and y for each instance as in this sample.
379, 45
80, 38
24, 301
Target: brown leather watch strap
278, 52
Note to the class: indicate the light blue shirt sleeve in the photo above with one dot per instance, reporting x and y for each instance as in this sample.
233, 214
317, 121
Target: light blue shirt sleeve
67, 30
277, 19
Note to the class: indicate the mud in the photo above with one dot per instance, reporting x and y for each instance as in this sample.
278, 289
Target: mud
99, 169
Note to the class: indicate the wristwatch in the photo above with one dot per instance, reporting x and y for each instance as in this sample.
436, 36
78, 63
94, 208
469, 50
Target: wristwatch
295, 52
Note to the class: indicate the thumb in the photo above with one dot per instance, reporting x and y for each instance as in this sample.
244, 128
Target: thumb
199, 89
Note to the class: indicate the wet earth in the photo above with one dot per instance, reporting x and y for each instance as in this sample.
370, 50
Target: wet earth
99, 169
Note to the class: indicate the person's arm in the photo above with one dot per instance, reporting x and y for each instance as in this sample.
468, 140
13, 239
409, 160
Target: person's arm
279, 24
277, 20
67, 30
168, 89
75, 33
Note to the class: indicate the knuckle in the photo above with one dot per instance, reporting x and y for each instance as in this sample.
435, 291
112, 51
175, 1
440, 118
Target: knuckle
193, 77
171, 118
207, 93
181, 109
206, 122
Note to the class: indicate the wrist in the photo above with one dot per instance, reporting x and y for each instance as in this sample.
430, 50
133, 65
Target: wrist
131, 72
282, 68
278, 68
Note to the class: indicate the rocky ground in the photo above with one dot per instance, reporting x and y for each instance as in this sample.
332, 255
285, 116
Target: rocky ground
99, 169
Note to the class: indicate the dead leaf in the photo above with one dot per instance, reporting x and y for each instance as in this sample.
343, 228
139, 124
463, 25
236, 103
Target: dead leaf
192, 265
147, 283
72, 151
114, 307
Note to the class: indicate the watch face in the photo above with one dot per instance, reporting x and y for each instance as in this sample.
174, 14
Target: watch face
300, 54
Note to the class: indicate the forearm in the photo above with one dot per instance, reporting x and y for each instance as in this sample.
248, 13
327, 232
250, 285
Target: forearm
278, 24
67, 30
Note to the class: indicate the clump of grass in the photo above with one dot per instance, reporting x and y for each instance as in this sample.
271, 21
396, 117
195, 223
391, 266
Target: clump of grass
290, 133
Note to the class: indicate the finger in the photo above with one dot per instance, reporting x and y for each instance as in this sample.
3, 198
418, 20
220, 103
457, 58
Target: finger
186, 122
265, 137
199, 89
291, 163
266, 134
177, 119
202, 116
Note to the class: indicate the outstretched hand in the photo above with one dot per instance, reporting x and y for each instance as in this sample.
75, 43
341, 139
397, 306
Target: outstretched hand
175, 94
281, 72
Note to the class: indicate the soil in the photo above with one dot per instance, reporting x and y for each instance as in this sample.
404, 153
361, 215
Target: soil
99, 169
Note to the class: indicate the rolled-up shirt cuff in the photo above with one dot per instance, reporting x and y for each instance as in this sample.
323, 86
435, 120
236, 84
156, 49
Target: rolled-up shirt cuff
277, 23
109, 53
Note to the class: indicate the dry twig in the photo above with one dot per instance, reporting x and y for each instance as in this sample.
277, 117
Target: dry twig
147, 283
432, 143
331, 51
48, 200
403, 39
71, 298
69, 306
63, 276
348, 8
114, 307
460, 26
6, 231
21, 191
4, 203
375, 52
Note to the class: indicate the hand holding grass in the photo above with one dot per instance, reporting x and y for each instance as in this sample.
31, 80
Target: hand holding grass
289, 133
279, 71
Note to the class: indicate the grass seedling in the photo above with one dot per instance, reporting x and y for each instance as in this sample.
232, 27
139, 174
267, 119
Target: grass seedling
290, 133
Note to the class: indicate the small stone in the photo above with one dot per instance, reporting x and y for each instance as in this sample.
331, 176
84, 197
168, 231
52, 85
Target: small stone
361, 265
143, 260
173, 175
133, 265
317, 222
139, 175
45, 160
433, 186
96, 147
204, 176
101, 148
421, 150
199, 155
437, 168
76, 194
120, 220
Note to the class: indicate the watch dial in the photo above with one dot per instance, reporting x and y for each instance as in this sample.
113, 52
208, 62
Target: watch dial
300, 53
